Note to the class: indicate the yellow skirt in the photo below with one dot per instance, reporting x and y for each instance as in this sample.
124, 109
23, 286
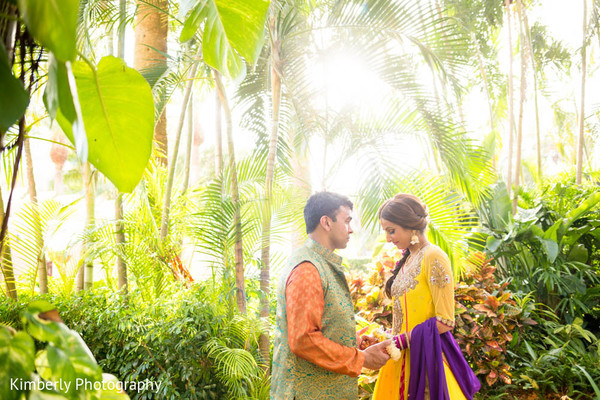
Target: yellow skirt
393, 379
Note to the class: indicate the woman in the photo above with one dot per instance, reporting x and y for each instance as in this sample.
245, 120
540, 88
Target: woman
428, 364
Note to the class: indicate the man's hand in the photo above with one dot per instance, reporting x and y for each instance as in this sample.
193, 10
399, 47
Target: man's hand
364, 341
376, 356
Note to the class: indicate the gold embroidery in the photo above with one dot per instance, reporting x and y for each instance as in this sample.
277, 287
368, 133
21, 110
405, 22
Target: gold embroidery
439, 276
447, 322
405, 281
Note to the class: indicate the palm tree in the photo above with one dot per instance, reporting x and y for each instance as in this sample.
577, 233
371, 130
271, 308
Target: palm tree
511, 118
151, 31
523, 51
6, 262
581, 139
237, 219
42, 272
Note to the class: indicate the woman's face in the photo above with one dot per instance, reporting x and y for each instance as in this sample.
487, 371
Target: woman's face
396, 234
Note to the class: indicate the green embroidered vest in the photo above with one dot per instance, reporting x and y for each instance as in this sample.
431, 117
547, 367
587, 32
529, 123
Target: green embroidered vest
294, 377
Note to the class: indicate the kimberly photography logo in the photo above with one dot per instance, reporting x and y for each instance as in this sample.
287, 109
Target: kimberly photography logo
85, 384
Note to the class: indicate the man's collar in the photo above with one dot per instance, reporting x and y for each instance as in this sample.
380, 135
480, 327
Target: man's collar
329, 255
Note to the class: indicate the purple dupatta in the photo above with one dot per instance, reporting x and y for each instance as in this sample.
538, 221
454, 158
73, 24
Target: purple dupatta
426, 347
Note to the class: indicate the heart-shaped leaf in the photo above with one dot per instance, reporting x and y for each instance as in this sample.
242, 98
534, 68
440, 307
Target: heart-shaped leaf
13, 98
118, 114
54, 24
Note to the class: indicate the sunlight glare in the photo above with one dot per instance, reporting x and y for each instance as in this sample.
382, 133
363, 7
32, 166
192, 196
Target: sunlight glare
343, 80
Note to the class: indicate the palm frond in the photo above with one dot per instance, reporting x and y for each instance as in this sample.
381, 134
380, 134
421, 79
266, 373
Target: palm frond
29, 233
451, 217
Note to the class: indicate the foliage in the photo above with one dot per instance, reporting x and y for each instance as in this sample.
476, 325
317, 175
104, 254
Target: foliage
231, 29
151, 261
13, 107
543, 248
553, 358
63, 369
118, 113
34, 224
97, 121
487, 315
189, 340
367, 290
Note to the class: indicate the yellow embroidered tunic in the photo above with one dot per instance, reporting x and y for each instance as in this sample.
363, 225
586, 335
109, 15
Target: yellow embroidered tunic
423, 289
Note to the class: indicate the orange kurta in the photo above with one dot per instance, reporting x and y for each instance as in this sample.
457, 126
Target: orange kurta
305, 305
423, 289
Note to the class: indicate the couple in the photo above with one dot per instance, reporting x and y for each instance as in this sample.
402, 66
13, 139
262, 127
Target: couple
316, 353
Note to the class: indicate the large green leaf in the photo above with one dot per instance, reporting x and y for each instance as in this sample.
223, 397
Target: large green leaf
54, 24
118, 114
60, 95
233, 28
13, 98
16, 360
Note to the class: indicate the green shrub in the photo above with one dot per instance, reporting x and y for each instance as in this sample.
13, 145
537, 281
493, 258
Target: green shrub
63, 368
190, 341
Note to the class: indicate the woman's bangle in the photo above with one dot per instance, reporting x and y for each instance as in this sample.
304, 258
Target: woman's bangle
401, 341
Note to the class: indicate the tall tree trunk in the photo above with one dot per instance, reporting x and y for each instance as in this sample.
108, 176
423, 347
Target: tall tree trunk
151, 30
120, 238
538, 138
218, 136
523, 51
188, 146
122, 281
581, 140
41, 259
90, 220
265, 280
164, 226
6, 260
511, 118
237, 220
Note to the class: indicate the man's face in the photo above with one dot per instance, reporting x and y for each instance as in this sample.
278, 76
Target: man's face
340, 231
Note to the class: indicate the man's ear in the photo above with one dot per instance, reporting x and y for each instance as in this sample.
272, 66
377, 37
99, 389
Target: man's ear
325, 223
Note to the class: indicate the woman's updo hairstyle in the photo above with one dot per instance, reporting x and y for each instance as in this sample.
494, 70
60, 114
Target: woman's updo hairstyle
405, 210
409, 212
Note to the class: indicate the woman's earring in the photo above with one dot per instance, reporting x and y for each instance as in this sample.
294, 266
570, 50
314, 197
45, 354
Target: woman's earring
414, 239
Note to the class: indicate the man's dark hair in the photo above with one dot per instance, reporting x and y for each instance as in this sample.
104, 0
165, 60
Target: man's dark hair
320, 204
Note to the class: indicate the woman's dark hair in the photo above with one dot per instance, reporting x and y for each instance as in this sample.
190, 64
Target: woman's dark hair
409, 212
397, 268
320, 204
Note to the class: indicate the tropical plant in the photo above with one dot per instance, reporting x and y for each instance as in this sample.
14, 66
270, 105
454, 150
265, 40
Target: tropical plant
64, 369
486, 317
539, 250
33, 226
553, 359
225, 44
190, 340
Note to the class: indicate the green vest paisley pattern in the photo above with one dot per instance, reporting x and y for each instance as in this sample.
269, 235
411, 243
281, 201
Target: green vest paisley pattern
293, 377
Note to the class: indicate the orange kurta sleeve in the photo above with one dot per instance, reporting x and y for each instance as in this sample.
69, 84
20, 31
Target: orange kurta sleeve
304, 305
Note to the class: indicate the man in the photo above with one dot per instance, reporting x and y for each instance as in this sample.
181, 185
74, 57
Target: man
315, 354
